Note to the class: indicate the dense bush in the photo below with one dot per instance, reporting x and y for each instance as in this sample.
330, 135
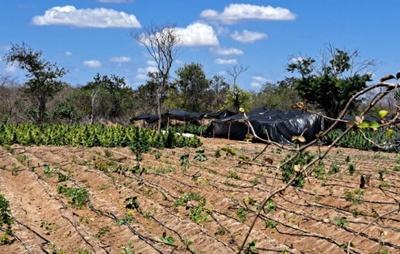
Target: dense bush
362, 140
91, 135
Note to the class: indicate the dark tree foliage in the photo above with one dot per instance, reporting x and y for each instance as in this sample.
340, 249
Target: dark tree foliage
193, 85
280, 95
111, 92
217, 93
331, 87
146, 95
43, 83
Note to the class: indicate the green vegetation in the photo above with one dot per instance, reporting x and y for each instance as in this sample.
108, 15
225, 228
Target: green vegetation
78, 197
167, 239
357, 139
139, 139
293, 167
5, 220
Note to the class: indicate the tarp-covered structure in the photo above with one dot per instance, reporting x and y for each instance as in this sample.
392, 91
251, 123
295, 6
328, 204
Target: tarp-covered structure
181, 115
176, 114
281, 126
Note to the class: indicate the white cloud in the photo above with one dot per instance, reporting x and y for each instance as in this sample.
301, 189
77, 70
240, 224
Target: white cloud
297, 59
99, 18
10, 69
197, 34
92, 63
258, 81
248, 36
68, 53
227, 51
142, 72
120, 59
151, 63
225, 61
236, 12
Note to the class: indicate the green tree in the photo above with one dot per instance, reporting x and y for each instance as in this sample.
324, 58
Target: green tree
193, 85
42, 76
218, 90
110, 92
332, 85
238, 98
280, 96
146, 95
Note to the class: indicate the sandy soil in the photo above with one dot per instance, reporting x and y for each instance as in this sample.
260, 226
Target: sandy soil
185, 200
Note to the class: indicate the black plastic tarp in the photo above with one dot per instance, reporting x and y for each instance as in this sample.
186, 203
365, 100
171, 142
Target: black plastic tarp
281, 126
177, 114
182, 115
149, 118
219, 115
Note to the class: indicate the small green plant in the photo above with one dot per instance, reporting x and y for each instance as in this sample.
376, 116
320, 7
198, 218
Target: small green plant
233, 174
132, 203
340, 221
157, 155
188, 196
351, 168
62, 177
6, 239
381, 173
396, 168
5, 214
49, 226
251, 248
187, 242
355, 197
217, 153
167, 239
83, 251
78, 196
103, 231
242, 214
127, 248
53, 248
270, 206
108, 153
185, 160
199, 215
293, 167
334, 168
200, 156
270, 223
229, 150
47, 170
8, 148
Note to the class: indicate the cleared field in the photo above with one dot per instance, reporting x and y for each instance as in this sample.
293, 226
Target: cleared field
196, 200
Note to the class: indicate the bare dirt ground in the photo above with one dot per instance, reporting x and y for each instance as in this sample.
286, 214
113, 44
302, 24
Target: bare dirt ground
185, 201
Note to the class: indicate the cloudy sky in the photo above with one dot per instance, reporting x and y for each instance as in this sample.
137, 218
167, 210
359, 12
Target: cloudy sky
95, 36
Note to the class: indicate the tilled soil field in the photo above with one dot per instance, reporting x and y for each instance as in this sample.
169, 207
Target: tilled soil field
196, 200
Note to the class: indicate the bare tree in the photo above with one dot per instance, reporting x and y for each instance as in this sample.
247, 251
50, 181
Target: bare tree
162, 44
235, 71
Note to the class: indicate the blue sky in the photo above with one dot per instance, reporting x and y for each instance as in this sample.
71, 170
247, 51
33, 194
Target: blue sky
94, 36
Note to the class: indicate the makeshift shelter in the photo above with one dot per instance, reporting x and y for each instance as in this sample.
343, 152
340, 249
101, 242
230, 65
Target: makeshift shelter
281, 126
176, 114
219, 115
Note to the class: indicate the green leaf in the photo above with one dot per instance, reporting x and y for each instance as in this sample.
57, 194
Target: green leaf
374, 125
389, 133
382, 113
363, 125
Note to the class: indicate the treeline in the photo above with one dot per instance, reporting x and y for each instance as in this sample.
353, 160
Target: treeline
109, 99
45, 98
